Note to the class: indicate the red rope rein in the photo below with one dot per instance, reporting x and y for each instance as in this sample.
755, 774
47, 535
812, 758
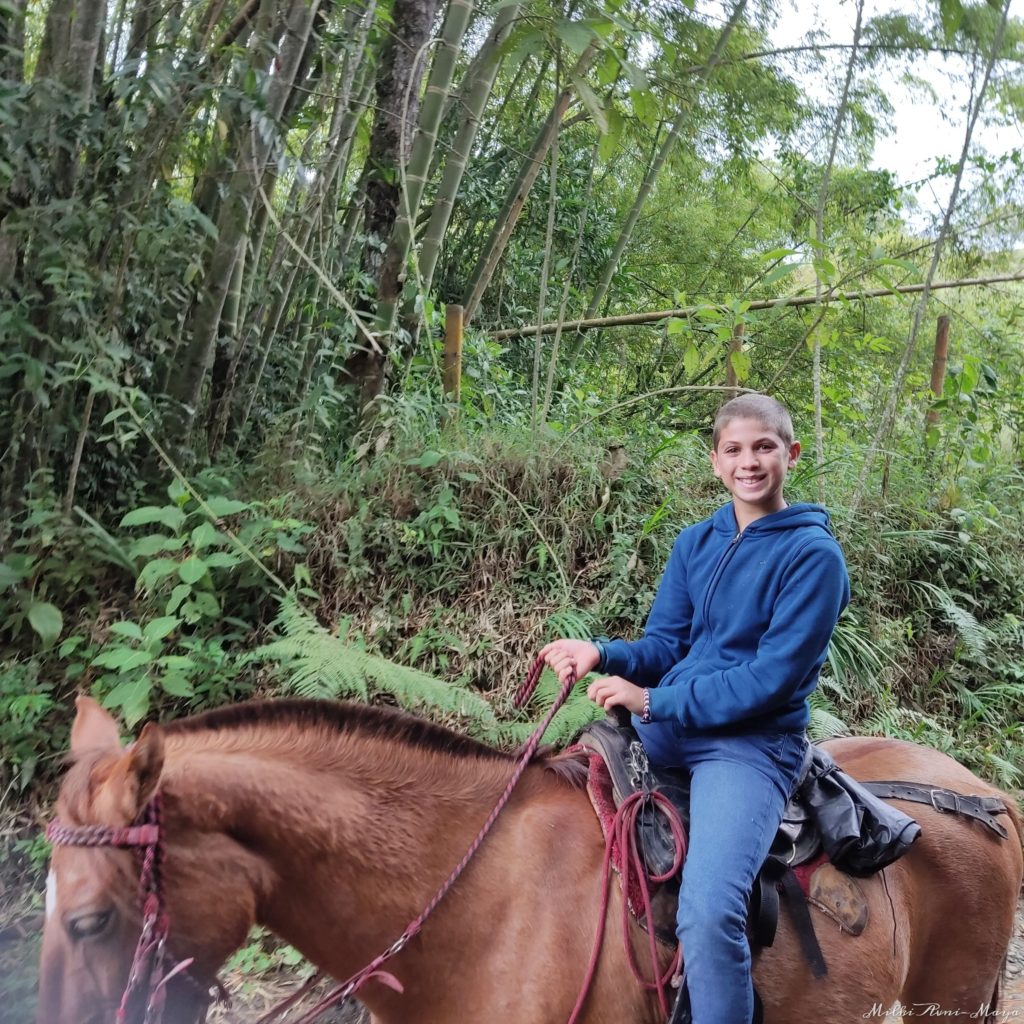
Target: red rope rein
149, 973
373, 969
622, 835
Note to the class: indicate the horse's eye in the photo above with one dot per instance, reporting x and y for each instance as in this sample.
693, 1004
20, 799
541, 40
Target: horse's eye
89, 925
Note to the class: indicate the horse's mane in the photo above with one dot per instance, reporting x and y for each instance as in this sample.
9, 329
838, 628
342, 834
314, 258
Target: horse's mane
355, 719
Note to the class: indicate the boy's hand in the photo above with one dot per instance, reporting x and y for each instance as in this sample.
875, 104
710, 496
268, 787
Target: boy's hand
563, 655
614, 691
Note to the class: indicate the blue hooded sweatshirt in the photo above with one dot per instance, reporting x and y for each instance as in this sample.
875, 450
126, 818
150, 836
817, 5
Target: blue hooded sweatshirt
740, 625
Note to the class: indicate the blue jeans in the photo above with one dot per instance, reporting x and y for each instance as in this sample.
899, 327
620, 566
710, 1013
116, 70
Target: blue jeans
739, 789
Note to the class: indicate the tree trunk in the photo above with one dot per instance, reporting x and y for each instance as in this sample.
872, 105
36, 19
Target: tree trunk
69, 53
233, 224
399, 76
735, 345
542, 297
222, 375
12, 40
345, 121
549, 386
888, 416
819, 237
142, 35
939, 357
439, 83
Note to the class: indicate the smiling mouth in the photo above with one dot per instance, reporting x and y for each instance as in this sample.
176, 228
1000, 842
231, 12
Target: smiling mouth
750, 481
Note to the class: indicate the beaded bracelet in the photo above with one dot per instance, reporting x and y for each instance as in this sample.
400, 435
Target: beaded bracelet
646, 716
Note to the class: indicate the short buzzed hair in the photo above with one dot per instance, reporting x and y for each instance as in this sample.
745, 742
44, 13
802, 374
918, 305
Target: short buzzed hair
767, 411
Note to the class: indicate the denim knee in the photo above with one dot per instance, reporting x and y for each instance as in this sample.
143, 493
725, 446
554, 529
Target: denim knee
709, 916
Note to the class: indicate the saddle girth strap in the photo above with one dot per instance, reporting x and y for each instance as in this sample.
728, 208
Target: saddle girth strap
796, 904
763, 912
981, 808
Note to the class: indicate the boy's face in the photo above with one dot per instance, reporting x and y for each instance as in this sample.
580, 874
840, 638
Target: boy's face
752, 461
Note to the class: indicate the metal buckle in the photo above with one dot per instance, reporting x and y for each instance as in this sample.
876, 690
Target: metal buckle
945, 801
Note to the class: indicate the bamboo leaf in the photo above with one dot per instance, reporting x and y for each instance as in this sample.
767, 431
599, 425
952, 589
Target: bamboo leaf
592, 103
173, 518
576, 36
46, 620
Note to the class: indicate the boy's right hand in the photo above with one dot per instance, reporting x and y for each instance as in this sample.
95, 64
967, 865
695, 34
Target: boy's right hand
565, 655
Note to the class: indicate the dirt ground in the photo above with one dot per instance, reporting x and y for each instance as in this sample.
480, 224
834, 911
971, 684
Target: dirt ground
1012, 1001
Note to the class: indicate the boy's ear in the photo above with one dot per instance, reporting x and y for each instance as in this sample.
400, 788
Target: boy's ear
794, 453
714, 463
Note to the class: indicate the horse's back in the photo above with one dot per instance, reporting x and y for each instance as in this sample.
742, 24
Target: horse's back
874, 758
954, 841
959, 882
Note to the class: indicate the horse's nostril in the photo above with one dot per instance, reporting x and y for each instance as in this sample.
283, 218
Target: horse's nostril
87, 926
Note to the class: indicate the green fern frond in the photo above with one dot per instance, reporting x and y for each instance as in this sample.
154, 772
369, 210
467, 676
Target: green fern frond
1007, 774
825, 722
314, 663
855, 660
576, 712
907, 724
976, 638
572, 624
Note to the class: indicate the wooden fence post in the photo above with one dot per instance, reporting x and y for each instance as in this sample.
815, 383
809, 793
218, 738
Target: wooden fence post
938, 368
453, 351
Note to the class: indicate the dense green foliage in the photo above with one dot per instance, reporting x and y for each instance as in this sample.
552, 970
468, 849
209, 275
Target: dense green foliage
227, 466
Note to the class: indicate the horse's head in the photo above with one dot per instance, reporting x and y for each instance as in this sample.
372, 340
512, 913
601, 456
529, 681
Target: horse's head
93, 918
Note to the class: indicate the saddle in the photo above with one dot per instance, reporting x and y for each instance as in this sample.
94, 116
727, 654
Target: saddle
833, 828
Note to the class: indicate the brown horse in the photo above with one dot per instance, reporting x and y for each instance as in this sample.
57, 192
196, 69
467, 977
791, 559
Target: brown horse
332, 825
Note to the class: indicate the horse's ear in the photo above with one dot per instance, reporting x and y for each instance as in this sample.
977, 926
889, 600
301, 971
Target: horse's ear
147, 762
126, 785
94, 728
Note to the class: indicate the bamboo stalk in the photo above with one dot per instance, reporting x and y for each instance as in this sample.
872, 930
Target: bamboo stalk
417, 169
735, 345
507, 219
819, 236
653, 317
664, 152
888, 417
478, 91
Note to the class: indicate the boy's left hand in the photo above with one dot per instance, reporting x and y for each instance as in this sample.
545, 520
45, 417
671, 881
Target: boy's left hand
614, 691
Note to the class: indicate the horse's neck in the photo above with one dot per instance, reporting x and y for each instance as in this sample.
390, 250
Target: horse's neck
343, 845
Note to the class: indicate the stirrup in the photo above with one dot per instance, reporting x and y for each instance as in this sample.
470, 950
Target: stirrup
681, 1008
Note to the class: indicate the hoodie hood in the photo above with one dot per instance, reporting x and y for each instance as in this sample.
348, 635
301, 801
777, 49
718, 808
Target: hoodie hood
794, 516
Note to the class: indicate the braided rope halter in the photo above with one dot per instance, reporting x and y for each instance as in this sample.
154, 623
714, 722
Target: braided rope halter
149, 973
